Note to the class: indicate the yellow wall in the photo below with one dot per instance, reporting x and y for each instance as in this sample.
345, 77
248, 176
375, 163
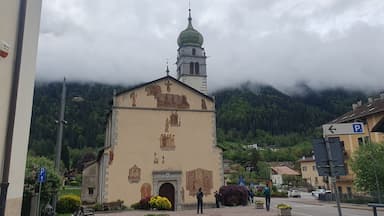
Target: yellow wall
310, 174
138, 139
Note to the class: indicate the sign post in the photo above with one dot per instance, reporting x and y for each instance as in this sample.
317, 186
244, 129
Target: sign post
329, 154
41, 179
333, 178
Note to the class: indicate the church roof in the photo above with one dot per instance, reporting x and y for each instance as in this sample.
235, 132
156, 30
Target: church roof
164, 78
190, 36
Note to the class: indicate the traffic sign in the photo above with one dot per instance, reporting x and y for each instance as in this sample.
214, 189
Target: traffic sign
322, 157
42, 175
343, 128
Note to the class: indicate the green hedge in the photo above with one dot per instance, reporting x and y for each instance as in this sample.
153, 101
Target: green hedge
68, 203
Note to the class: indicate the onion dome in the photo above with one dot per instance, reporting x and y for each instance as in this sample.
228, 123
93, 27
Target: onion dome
190, 36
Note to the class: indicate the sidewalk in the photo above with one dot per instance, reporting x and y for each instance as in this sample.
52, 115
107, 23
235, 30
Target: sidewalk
225, 211
342, 205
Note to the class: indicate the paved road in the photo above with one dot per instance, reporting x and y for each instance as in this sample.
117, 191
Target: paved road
305, 206
309, 206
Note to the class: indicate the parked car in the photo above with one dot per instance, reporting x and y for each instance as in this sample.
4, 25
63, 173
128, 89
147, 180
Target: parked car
316, 192
294, 193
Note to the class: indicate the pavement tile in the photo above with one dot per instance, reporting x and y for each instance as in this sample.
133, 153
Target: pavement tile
225, 211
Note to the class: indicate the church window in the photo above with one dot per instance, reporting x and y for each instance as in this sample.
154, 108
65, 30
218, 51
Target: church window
193, 51
90, 191
197, 68
191, 68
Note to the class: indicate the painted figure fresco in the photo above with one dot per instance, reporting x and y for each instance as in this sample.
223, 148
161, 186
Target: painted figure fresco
167, 141
167, 100
203, 104
133, 96
174, 120
199, 178
145, 190
134, 174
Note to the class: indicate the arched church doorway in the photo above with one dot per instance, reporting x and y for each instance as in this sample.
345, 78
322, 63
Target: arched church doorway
168, 190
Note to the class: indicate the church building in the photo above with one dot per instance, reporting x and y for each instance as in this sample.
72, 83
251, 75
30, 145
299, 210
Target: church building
161, 138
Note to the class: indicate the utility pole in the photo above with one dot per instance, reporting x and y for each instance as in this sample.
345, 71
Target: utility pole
59, 140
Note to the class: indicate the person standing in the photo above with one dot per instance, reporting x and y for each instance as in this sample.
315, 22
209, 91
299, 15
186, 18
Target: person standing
267, 194
199, 197
217, 199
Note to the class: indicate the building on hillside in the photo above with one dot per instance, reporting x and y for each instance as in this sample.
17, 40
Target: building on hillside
19, 32
279, 173
310, 175
372, 115
161, 138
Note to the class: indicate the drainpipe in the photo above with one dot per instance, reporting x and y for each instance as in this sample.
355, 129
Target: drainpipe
12, 107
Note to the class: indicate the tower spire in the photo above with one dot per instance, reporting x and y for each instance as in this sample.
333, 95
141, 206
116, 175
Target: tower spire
167, 70
189, 11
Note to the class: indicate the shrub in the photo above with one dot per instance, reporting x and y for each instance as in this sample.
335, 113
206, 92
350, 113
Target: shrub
68, 203
279, 194
233, 195
283, 206
160, 203
136, 205
98, 207
74, 183
142, 204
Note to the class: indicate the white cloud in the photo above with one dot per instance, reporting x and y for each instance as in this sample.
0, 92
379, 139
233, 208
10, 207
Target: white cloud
324, 43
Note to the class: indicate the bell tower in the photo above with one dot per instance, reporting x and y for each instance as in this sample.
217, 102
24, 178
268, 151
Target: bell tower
191, 58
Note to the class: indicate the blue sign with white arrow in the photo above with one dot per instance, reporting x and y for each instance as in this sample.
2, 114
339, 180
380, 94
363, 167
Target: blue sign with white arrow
42, 175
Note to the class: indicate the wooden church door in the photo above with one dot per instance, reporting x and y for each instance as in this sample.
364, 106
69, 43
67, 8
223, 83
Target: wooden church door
167, 190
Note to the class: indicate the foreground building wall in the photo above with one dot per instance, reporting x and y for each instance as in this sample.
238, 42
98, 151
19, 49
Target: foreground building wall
372, 115
9, 17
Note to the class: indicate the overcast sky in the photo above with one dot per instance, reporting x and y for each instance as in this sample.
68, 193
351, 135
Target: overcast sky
323, 43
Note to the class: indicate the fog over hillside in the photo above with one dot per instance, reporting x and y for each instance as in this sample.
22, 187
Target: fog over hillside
318, 43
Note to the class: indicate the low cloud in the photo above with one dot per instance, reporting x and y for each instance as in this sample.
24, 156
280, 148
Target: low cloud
323, 43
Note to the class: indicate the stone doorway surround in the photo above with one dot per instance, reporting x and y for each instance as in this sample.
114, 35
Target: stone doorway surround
167, 176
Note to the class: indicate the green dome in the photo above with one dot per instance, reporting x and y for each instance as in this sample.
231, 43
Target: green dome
190, 36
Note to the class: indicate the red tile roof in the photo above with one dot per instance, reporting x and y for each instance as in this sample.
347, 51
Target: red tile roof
283, 170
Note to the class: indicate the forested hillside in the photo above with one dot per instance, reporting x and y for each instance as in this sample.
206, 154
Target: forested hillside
247, 114
250, 113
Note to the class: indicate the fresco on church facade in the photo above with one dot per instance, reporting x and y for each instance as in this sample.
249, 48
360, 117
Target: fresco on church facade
199, 178
167, 141
203, 104
166, 100
174, 120
134, 174
168, 84
111, 157
145, 190
155, 158
133, 97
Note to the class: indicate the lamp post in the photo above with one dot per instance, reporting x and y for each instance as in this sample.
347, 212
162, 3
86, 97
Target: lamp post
59, 139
